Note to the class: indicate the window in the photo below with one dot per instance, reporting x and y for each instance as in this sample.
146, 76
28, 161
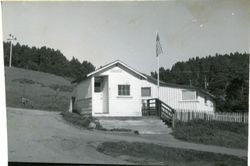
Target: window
145, 91
188, 94
97, 86
124, 90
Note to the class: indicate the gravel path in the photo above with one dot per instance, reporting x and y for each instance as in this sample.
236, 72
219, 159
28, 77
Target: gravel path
41, 136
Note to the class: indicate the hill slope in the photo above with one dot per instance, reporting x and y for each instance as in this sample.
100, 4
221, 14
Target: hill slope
38, 90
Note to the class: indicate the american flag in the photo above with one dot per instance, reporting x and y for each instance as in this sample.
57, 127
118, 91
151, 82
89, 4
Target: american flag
158, 46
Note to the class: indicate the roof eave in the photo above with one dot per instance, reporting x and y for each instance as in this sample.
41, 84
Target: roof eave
116, 62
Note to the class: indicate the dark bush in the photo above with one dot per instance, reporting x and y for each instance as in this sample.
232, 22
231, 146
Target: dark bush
77, 119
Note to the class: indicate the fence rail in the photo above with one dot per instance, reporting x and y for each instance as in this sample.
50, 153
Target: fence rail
218, 116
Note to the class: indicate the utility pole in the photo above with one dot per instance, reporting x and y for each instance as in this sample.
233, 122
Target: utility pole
10, 39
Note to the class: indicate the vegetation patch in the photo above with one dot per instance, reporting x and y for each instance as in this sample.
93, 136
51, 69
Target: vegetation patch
81, 121
24, 81
124, 130
121, 129
228, 134
145, 153
76, 119
62, 88
36, 87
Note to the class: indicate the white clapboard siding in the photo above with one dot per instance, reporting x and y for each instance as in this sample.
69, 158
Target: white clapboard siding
173, 97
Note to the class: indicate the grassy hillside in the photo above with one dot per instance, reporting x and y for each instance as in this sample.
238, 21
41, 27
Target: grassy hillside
40, 90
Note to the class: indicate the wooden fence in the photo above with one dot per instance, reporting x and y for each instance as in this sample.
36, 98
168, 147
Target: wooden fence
218, 116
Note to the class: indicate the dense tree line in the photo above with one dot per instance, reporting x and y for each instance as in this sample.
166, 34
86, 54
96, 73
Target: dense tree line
225, 76
46, 60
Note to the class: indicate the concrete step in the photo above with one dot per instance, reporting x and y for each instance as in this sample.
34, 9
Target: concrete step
144, 125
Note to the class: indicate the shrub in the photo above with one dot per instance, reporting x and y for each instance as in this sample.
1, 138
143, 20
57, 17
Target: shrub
77, 119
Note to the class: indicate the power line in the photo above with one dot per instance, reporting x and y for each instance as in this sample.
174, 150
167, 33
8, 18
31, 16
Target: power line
206, 71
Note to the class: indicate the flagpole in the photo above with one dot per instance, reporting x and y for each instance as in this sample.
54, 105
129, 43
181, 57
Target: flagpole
158, 52
158, 69
158, 76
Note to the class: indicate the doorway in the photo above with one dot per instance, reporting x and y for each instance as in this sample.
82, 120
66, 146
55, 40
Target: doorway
101, 94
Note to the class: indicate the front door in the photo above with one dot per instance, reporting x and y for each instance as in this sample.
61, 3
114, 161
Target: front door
98, 95
101, 94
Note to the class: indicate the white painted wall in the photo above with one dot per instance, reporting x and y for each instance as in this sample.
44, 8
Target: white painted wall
120, 106
209, 106
172, 96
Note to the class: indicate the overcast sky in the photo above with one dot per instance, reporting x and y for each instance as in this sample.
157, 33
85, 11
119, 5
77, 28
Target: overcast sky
101, 32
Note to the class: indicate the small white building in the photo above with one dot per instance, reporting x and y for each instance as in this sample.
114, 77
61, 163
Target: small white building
117, 90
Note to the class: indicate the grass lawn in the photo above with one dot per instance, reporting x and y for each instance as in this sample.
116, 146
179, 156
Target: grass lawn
45, 91
145, 153
228, 134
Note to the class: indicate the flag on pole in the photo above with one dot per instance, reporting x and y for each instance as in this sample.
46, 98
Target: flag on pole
158, 52
158, 45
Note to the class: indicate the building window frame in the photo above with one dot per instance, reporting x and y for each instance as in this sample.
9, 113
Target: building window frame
188, 99
124, 90
147, 95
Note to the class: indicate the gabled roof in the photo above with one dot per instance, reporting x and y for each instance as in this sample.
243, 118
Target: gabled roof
162, 83
116, 63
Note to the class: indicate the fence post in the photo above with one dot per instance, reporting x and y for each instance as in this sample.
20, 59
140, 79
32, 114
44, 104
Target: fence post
237, 117
158, 107
173, 120
181, 115
148, 107
73, 102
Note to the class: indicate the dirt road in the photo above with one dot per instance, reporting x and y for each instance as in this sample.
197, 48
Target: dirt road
41, 136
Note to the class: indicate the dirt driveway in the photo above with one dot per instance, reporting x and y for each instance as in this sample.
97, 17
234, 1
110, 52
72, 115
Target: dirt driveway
41, 136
